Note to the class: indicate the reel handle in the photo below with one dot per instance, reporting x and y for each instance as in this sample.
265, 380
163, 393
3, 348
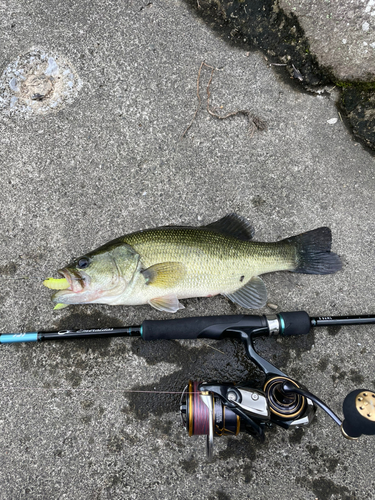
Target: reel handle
359, 414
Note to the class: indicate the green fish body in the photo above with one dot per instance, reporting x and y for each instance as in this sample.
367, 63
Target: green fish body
162, 265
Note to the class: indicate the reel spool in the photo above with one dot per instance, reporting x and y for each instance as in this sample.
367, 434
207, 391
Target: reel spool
195, 413
203, 413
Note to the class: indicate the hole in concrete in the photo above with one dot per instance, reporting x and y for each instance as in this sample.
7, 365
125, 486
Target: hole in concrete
37, 82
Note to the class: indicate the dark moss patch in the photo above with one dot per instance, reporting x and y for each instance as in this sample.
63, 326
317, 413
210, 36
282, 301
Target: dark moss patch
358, 103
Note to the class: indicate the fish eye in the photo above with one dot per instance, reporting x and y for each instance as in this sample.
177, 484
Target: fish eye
83, 262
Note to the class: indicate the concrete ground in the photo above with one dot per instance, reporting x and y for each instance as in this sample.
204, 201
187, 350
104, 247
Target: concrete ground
109, 159
344, 37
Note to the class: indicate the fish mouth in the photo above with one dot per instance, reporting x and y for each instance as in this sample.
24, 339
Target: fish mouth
74, 292
77, 282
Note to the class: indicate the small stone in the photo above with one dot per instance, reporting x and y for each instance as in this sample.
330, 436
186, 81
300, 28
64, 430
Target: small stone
365, 26
272, 306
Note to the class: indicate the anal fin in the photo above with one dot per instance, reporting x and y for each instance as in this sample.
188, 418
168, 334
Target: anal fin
253, 295
167, 303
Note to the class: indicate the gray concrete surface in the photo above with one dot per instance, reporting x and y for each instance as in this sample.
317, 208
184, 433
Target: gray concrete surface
340, 34
112, 161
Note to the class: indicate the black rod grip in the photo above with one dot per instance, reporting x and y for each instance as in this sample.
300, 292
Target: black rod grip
294, 323
207, 327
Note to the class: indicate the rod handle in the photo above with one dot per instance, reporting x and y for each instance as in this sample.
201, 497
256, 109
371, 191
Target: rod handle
208, 327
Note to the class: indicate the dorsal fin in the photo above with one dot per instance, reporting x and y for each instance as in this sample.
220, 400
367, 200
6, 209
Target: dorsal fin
233, 225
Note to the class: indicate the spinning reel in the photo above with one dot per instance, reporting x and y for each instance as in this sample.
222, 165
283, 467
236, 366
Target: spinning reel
214, 409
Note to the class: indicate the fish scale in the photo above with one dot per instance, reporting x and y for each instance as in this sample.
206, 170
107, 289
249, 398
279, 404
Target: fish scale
212, 260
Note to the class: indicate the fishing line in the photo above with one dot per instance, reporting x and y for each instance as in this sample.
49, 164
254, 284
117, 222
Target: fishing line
82, 390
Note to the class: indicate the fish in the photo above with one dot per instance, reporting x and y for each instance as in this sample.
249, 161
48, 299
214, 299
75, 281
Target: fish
163, 265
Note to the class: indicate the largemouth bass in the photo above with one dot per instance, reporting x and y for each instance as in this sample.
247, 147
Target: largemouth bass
162, 265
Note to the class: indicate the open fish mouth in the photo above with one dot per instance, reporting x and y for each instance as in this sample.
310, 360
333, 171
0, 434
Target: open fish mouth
76, 281
70, 282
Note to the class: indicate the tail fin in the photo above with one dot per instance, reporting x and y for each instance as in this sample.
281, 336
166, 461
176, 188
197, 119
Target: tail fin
314, 252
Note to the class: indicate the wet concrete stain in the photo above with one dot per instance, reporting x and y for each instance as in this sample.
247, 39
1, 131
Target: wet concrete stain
73, 363
196, 363
220, 495
295, 436
341, 374
322, 459
203, 363
242, 446
262, 24
338, 374
356, 377
8, 269
324, 488
333, 330
189, 465
323, 363
116, 442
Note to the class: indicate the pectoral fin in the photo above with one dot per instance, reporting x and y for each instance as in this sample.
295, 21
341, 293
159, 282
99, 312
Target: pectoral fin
165, 274
253, 295
167, 303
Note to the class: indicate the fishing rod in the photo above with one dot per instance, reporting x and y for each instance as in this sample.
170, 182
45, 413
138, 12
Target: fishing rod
217, 409
211, 327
